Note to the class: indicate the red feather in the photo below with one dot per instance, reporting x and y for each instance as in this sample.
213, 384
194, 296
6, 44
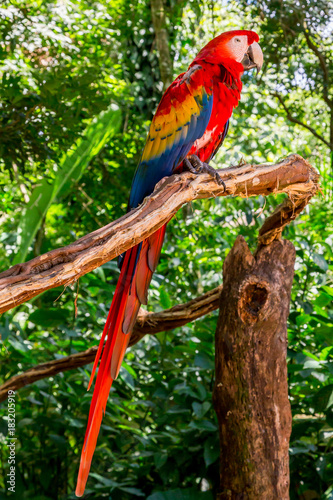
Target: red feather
131, 289
178, 117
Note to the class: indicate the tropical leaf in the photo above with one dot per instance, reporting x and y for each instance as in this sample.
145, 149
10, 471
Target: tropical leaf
72, 166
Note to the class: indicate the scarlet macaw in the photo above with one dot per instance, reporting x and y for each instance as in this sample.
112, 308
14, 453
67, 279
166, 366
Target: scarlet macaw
188, 128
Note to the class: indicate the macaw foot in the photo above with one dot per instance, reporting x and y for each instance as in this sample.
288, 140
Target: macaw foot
196, 166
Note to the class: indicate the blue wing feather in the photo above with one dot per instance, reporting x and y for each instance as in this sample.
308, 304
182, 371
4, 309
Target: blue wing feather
150, 171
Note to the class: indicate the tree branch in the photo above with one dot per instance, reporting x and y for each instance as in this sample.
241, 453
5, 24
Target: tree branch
162, 41
146, 324
62, 266
312, 46
294, 176
298, 122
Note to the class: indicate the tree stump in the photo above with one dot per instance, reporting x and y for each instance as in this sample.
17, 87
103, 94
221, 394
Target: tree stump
251, 388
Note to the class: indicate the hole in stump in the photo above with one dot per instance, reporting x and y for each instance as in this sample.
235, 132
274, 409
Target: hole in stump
254, 297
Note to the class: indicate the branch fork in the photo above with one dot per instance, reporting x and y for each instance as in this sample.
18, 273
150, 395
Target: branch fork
293, 176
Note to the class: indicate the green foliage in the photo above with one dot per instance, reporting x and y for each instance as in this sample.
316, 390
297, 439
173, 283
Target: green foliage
71, 168
61, 66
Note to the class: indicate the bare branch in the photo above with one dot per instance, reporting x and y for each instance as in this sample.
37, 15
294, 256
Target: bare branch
302, 124
312, 46
146, 324
293, 176
63, 266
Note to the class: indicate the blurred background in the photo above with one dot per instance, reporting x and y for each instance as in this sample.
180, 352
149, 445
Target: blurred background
80, 81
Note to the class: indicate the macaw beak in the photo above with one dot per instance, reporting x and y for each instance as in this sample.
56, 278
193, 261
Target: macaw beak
253, 58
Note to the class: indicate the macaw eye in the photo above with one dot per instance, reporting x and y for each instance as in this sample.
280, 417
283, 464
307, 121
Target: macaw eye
237, 40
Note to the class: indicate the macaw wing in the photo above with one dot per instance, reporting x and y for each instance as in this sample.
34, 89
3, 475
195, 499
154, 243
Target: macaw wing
181, 118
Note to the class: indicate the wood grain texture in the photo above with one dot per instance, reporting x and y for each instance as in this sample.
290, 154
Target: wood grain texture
62, 266
251, 387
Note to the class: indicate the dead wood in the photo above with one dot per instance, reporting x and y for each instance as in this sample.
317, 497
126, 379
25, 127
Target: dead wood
62, 266
146, 324
251, 387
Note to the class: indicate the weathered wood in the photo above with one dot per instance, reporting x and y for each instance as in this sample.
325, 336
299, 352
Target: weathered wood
62, 266
146, 324
251, 389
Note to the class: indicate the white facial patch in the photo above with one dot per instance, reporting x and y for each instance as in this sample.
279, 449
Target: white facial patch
237, 47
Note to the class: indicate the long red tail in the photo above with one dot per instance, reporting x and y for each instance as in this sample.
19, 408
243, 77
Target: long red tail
137, 269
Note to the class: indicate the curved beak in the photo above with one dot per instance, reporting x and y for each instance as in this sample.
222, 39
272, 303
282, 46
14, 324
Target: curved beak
253, 58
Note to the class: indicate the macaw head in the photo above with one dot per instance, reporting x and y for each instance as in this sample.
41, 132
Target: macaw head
239, 45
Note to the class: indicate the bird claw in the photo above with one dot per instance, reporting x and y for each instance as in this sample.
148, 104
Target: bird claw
194, 165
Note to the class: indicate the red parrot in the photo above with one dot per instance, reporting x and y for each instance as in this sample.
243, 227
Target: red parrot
188, 128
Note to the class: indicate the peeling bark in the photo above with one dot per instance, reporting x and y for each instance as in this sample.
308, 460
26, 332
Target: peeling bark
62, 266
251, 387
